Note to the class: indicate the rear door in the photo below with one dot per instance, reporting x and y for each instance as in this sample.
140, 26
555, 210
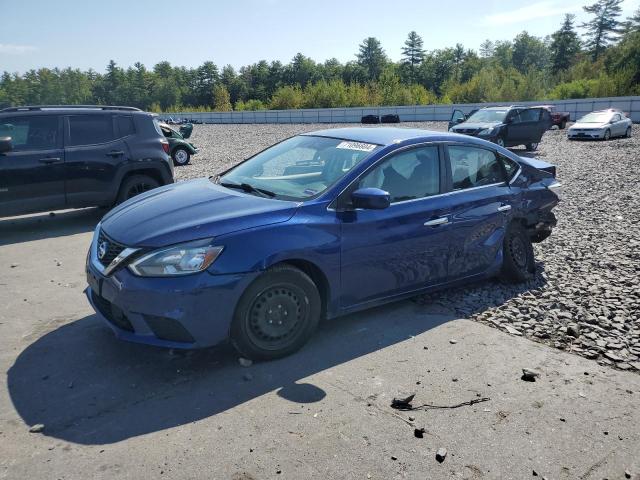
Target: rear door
32, 174
94, 150
534, 122
480, 207
403, 247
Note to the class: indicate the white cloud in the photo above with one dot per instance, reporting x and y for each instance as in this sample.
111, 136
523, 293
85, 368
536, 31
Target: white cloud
536, 10
10, 49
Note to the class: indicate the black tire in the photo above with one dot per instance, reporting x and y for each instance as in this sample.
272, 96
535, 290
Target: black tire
518, 263
607, 134
531, 147
628, 133
180, 156
276, 315
500, 141
135, 185
563, 124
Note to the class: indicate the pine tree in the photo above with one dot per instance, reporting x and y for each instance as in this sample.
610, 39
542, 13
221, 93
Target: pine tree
565, 45
412, 53
371, 57
632, 24
486, 49
603, 29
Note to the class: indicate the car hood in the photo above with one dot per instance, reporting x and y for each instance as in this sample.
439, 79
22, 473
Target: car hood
587, 125
475, 125
190, 210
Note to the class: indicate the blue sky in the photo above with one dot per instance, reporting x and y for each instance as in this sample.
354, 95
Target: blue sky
87, 34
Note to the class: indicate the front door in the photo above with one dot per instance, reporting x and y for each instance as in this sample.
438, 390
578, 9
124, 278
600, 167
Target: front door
457, 117
480, 208
403, 247
32, 173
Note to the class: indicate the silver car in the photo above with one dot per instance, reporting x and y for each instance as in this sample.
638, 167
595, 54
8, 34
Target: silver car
602, 124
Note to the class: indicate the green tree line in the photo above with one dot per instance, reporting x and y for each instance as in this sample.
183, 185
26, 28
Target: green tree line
600, 57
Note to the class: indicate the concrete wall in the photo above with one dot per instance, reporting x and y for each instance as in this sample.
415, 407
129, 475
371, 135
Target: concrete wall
420, 113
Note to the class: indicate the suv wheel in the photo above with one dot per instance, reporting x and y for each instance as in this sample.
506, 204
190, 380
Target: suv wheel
563, 124
180, 156
135, 185
518, 264
276, 315
607, 134
531, 146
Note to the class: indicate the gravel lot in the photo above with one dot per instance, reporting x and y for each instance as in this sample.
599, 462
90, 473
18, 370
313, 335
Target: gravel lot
586, 296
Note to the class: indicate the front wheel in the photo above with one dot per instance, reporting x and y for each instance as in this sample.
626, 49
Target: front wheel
607, 134
500, 141
531, 146
628, 133
180, 156
276, 315
518, 263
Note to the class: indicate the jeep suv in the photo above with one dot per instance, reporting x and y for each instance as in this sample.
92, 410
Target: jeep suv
55, 157
506, 126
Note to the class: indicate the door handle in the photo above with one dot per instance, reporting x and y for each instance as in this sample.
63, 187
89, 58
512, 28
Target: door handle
504, 208
115, 153
50, 160
436, 221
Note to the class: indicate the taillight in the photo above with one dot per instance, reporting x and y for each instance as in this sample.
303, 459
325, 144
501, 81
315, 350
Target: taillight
165, 145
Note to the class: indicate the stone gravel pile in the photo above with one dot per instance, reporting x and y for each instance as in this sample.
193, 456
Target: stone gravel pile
585, 297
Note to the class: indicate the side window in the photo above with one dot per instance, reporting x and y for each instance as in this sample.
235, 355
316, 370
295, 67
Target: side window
514, 115
125, 125
510, 167
31, 133
474, 167
616, 117
90, 129
408, 175
530, 115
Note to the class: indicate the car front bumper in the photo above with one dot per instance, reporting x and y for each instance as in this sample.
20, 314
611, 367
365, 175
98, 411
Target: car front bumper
191, 311
591, 134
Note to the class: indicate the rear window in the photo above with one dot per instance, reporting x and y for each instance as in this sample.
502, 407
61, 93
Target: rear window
31, 133
125, 125
90, 129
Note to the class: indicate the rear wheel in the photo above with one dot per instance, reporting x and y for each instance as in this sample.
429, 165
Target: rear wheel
276, 315
563, 124
135, 185
607, 134
180, 156
531, 146
518, 264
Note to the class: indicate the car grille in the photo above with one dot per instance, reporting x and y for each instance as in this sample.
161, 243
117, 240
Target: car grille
468, 131
112, 313
113, 249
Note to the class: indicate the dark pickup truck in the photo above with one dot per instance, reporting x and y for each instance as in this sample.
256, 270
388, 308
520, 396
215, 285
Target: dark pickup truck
557, 118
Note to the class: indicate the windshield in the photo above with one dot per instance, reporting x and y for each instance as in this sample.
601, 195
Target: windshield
482, 116
298, 168
595, 118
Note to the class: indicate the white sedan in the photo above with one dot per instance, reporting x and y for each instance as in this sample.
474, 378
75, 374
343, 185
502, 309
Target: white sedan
602, 124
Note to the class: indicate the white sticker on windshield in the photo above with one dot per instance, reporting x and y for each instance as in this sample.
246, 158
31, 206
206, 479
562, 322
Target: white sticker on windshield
362, 147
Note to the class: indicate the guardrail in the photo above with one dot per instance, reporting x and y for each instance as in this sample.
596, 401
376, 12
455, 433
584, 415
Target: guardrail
417, 113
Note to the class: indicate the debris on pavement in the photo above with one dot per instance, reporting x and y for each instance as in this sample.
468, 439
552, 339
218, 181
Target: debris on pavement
405, 404
37, 428
419, 432
402, 403
441, 454
529, 375
245, 362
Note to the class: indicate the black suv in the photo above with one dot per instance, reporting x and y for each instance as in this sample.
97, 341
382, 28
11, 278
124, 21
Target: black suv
506, 126
54, 157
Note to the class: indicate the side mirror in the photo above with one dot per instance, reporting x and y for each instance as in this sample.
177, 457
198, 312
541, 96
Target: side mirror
5, 144
460, 120
371, 199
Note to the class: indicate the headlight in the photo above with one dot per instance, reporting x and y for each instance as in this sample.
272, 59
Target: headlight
487, 131
181, 259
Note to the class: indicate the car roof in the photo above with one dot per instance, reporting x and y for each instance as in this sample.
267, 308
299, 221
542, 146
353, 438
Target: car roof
386, 135
68, 109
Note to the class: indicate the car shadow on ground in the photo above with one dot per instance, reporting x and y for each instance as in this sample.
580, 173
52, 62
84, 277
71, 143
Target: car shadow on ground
89, 388
45, 225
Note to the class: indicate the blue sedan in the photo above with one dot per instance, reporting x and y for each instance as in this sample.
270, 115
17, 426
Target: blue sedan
316, 226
